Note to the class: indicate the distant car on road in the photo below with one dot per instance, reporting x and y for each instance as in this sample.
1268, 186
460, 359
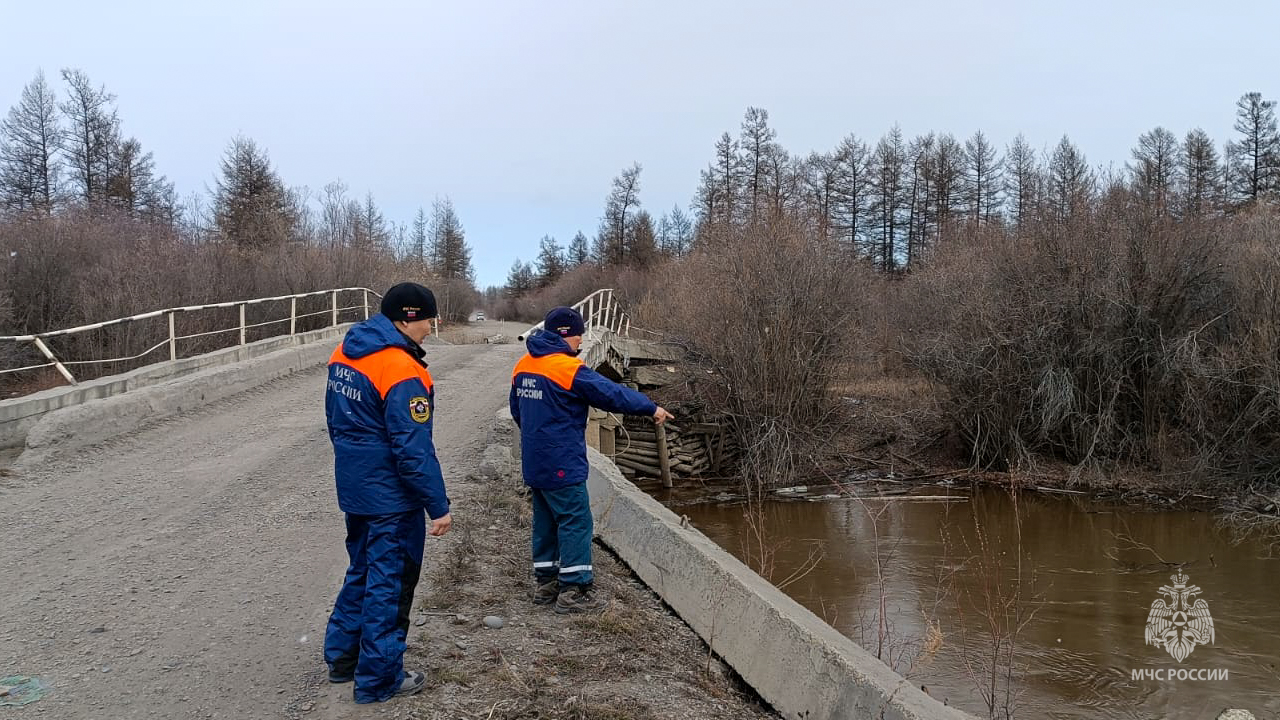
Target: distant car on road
479, 317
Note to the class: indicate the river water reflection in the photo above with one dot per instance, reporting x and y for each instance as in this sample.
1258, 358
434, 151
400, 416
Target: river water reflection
1092, 570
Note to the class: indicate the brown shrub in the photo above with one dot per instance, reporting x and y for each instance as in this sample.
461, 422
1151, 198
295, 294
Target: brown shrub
771, 312
1124, 338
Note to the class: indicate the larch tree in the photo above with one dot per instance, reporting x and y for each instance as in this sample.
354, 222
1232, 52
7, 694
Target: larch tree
719, 197
757, 146
31, 139
948, 180
852, 196
1023, 181
982, 180
418, 244
579, 251
675, 233
91, 135
641, 242
821, 187
920, 209
1070, 184
551, 261
371, 231
623, 201
453, 255
520, 279
1154, 171
889, 198
133, 185
251, 206
1255, 155
1200, 175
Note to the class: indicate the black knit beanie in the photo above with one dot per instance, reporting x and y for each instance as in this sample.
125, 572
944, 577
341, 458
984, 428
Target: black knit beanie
409, 301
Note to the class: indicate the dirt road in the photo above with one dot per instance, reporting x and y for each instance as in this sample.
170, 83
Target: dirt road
187, 570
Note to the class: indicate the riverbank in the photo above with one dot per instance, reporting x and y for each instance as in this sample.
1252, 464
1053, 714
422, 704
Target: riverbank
896, 427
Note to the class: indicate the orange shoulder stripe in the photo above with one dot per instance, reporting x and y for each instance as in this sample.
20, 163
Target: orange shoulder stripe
385, 368
558, 368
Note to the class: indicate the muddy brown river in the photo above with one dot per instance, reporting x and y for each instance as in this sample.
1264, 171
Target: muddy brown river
1090, 571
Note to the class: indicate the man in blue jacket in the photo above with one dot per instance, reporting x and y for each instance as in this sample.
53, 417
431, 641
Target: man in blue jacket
379, 404
551, 390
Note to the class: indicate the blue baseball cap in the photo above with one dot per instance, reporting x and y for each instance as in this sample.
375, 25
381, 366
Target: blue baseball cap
565, 322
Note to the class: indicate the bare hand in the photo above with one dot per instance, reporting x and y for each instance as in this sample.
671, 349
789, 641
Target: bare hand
661, 415
440, 525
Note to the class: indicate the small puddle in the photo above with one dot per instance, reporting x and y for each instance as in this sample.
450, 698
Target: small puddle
1091, 571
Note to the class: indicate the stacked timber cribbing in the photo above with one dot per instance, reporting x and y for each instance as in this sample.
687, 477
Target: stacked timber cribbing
672, 450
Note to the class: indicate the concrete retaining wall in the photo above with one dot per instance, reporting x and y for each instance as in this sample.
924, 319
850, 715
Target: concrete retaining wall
799, 664
62, 419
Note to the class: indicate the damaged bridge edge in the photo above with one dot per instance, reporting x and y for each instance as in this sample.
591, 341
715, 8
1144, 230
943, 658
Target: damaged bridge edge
796, 662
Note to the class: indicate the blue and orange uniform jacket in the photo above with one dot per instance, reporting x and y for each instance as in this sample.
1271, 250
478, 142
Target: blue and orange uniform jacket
380, 405
551, 390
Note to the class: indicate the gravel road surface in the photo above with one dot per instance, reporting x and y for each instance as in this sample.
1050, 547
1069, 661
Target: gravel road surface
186, 570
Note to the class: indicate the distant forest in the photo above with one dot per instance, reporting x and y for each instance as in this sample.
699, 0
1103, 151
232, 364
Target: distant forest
892, 202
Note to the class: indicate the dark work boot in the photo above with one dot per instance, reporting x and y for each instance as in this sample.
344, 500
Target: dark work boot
546, 592
576, 599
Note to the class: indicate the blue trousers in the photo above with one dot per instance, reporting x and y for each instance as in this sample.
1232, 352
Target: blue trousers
562, 535
370, 619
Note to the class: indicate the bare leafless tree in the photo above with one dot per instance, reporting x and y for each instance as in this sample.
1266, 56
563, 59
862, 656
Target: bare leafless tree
92, 129
31, 139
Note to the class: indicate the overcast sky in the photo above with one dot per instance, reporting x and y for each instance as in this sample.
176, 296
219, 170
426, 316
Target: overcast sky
522, 112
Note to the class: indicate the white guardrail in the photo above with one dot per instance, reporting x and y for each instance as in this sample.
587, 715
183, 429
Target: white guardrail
600, 309
334, 310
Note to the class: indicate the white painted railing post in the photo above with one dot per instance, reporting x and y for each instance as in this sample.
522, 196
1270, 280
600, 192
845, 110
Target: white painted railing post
58, 364
334, 305
173, 339
366, 304
242, 325
293, 316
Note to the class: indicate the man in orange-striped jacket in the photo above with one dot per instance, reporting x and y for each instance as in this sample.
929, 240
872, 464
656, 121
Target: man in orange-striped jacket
550, 392
380, 403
